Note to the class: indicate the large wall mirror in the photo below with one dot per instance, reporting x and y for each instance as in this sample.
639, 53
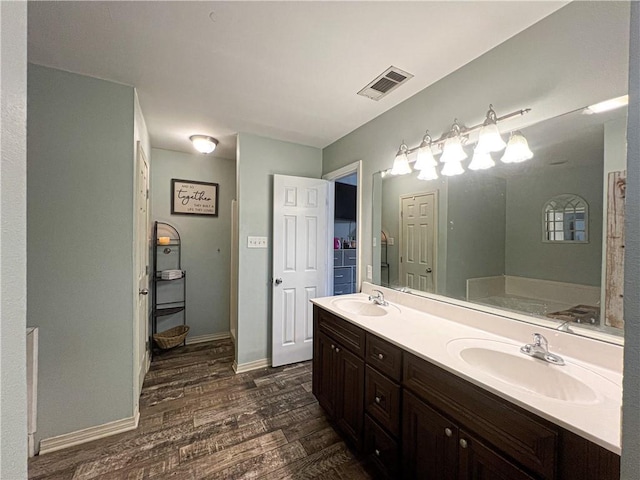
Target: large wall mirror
540, 240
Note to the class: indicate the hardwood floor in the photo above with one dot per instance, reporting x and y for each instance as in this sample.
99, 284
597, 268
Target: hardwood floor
200, 420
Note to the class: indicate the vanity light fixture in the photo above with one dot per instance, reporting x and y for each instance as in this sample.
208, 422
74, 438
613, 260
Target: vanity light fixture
203, 143
401, 163
451, 145
517, 149
607, 105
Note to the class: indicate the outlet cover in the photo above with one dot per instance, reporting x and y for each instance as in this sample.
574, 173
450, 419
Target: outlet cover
256, 242
391, 241
369, 272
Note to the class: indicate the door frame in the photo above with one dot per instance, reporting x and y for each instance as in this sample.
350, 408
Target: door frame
139, 370
435, 235
355, 167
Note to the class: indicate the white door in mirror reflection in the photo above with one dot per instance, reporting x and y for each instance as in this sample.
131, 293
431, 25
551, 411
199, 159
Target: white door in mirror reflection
417, 245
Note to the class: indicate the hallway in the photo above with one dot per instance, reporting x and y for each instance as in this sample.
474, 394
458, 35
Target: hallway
200, 420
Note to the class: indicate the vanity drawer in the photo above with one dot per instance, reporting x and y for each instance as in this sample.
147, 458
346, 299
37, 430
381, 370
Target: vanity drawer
342, 275
337, 258
382, 449
350, 256
526, 438
386, 357
346, 333
382, 400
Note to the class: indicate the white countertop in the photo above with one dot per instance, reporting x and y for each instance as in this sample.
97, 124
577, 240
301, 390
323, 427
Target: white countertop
433, 338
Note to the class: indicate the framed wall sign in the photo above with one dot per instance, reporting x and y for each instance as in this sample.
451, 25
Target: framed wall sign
194, 198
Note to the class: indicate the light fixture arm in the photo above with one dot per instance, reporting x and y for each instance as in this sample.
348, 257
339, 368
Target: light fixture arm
464, 131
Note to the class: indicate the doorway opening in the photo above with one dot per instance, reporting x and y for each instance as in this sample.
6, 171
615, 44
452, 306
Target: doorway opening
345, 229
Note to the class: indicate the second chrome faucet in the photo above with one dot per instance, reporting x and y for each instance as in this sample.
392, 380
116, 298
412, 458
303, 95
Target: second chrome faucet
540, 349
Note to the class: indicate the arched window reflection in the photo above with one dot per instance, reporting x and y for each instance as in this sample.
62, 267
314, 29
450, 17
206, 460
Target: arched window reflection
566, 219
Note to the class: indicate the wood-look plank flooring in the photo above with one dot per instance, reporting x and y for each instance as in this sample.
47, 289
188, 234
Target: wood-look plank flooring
199, 420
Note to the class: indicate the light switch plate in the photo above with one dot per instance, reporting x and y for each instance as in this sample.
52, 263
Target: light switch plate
256, 242
375, 241
391, 241
369, 272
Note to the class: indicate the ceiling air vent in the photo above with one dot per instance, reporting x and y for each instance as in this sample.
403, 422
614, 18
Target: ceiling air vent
390, 79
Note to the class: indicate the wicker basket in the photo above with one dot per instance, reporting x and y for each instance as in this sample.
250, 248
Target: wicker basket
172, 337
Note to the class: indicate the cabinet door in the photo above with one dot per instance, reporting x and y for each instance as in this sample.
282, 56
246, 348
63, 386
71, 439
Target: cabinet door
350, 395
429, 442
324, 372
479, 462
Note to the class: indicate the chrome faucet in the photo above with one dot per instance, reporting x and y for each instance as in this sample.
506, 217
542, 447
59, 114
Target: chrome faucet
540, 349
378, 299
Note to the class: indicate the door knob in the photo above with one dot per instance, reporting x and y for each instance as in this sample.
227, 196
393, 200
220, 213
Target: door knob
143, 291
278, 281
429, 270
463, 443
448, 432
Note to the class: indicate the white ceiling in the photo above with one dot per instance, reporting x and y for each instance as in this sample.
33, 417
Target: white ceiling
285, 70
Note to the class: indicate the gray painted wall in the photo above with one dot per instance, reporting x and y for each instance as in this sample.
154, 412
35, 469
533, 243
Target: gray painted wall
631, 387
13, 230
566, 61
206, 240
526, 254
476, 215
79, 244
259, 159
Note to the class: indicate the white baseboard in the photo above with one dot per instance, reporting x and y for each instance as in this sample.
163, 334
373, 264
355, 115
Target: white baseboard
66, 440
208, 338
247, 367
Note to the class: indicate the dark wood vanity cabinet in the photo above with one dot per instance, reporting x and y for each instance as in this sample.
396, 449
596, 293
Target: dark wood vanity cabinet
415, 420
338, 378
437, 448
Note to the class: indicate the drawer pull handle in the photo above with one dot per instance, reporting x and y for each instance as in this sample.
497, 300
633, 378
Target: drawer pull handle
381, 356
339, 276
337, 349
333, 347
463, 443
377, 452
448, 432
378, 400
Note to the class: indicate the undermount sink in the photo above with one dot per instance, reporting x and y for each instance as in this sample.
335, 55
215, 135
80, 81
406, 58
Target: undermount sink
357, 306
503, 361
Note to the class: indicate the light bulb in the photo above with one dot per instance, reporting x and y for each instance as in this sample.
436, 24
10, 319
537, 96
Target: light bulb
401, 163
490, 139
425, 158
517, 149
453, 151
428, 173
452, 168
481, 161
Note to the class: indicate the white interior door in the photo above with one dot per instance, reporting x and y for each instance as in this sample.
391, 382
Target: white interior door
142, 267
300, 258
417, 252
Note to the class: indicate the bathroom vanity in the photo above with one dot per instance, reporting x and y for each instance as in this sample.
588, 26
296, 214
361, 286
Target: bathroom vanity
426, 396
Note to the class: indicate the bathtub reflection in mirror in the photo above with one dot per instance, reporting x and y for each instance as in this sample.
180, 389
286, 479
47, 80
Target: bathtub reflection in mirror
483, 237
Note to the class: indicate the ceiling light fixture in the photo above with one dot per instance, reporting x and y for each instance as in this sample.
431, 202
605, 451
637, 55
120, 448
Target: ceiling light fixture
451, 144
203, 143
607, 105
